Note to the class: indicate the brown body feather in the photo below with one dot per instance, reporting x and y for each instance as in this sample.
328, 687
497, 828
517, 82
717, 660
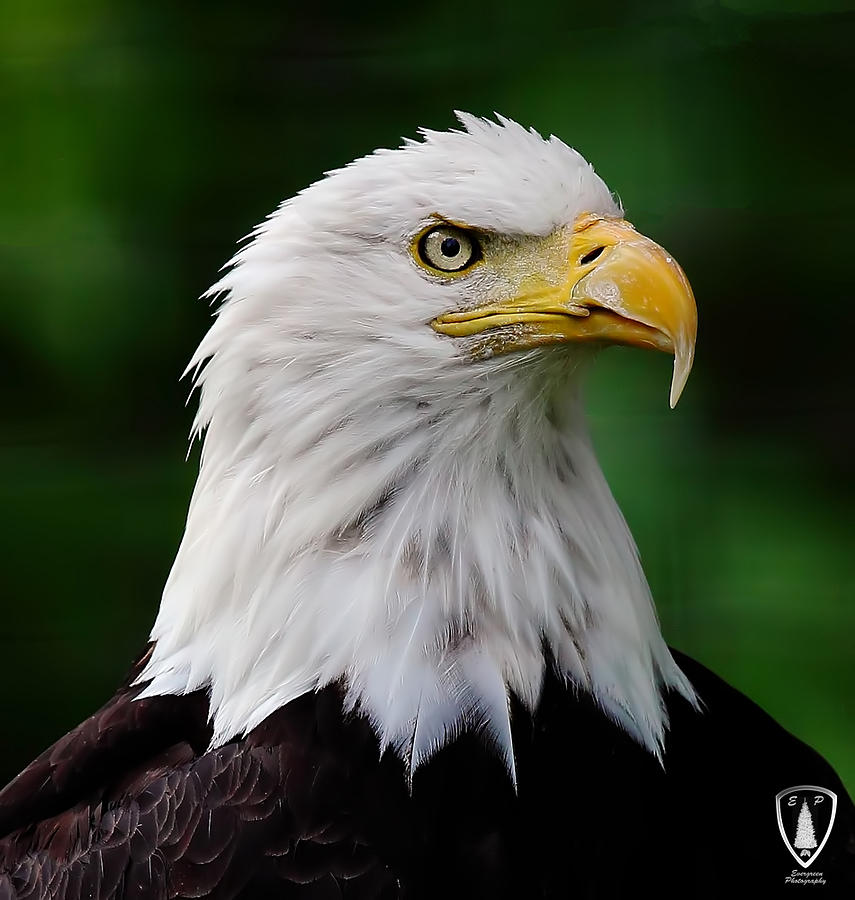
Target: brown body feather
132, 804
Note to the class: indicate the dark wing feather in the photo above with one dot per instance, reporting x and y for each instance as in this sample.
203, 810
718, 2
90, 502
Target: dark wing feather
122, 735
303, 807
130, 804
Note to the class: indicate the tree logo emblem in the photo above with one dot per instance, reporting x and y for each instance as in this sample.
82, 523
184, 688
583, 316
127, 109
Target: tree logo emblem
805, 817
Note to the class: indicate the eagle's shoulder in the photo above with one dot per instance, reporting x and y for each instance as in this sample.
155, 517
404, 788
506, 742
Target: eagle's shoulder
132, 803
738, 735
124, 734
727, 764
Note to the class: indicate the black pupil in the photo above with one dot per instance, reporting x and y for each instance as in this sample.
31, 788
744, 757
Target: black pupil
450, 247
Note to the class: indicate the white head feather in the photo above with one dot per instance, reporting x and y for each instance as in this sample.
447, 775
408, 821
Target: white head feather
375, 508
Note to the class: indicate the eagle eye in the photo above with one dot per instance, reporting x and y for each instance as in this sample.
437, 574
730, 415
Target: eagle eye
447, 248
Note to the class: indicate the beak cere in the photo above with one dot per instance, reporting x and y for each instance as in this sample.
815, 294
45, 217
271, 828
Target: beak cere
620, 288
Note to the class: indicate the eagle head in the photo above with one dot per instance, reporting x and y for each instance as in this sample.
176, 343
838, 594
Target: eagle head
397, 491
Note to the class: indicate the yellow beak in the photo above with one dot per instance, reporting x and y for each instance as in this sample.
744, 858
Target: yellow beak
620, 288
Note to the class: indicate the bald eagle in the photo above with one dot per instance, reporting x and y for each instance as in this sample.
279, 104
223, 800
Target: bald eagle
407, 648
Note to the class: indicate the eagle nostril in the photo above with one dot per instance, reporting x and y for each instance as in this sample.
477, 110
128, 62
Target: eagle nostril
591, 256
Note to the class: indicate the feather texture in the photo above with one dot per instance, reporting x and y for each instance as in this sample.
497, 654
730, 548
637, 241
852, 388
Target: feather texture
375, 507
304, 807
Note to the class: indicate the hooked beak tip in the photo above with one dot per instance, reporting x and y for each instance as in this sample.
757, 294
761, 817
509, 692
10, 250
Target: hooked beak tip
684, 354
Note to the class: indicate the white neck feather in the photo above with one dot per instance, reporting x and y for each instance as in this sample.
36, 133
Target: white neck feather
425, 554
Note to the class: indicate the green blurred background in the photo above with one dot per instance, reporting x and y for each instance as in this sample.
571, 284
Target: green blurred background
141, 139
